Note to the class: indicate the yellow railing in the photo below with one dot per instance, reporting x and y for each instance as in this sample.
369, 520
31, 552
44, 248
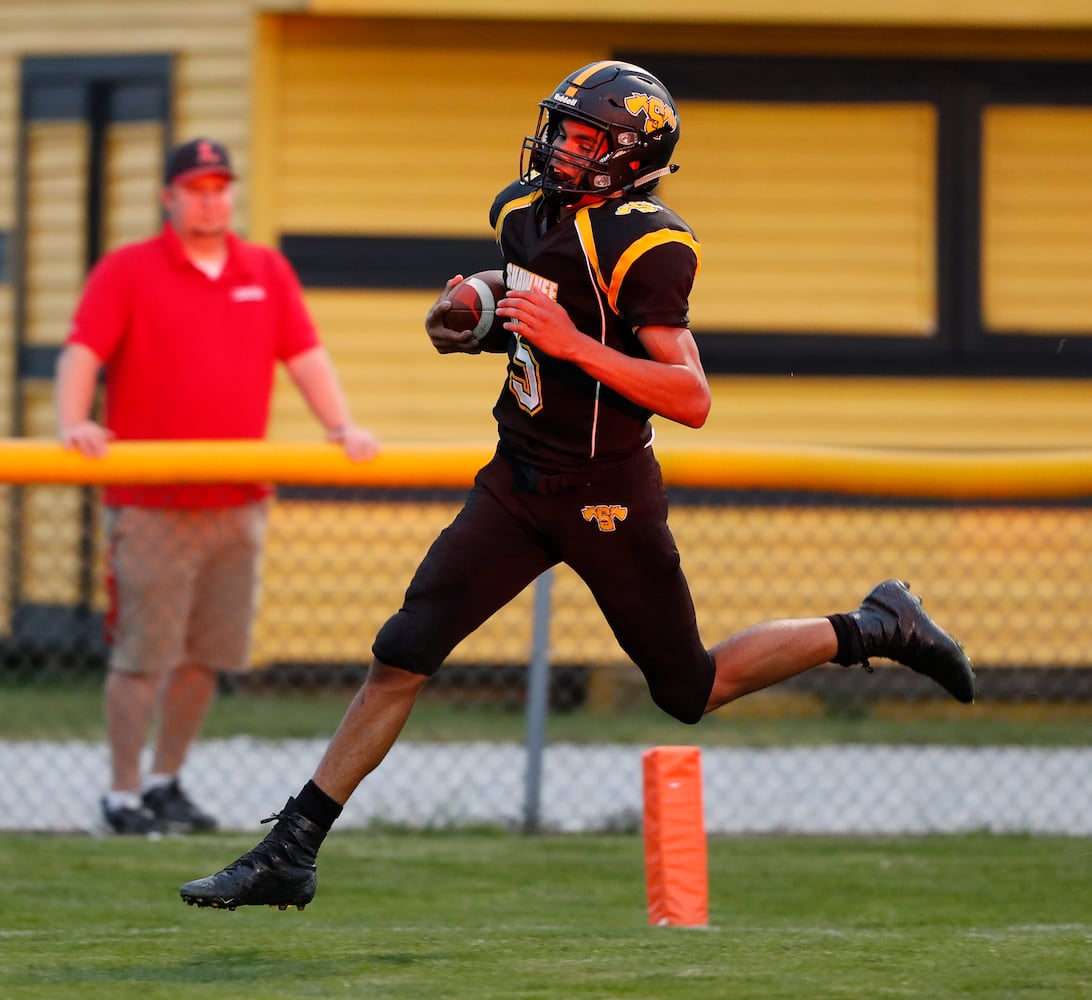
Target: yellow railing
963, 475
1006, 571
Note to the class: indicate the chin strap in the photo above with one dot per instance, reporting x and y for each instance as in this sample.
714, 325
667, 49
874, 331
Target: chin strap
569, 198
655, 175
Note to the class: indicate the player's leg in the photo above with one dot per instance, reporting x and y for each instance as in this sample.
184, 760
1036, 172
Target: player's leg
624, 551
768, 653
371, 725
632, 568
634, 571
890, 623
483, 559
480, 562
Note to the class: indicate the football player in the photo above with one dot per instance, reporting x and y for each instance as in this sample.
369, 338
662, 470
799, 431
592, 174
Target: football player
599, 272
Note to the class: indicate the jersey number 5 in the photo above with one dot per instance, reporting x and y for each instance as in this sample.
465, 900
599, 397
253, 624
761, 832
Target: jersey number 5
524, 381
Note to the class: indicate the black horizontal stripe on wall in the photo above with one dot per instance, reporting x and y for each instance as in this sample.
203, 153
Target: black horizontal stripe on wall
408, 262
799, 79
114, 88
960, 90
726, 352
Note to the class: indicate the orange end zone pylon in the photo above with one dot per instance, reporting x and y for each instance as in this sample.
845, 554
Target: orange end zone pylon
676, 866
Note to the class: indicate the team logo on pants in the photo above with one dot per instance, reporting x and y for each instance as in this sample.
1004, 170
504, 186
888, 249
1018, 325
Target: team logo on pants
605, 514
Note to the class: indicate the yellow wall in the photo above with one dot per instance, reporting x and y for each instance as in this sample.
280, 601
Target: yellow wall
392, 123
1037, 210
1016, 13
359, 124
816, 217
211, 40
382, 126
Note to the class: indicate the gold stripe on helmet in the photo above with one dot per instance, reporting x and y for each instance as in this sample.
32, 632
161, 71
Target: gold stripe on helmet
578, 81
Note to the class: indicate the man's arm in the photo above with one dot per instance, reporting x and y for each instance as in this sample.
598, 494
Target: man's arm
314, 376
74, 395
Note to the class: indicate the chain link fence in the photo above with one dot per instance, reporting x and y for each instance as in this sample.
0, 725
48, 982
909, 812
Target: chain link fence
538, 722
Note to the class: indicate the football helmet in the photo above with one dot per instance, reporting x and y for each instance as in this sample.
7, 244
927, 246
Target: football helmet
637, 117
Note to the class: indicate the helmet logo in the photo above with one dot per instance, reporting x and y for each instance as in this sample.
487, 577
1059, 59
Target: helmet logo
657, 113
646, 207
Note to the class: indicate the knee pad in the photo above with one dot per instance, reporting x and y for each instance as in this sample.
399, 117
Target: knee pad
400, 643
683, 693
681, 705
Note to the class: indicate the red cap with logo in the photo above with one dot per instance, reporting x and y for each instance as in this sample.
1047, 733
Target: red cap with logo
195, 159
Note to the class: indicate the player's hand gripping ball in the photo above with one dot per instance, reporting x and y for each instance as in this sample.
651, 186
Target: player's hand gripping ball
474, 303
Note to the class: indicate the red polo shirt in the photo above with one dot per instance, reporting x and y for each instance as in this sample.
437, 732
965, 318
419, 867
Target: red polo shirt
189, 357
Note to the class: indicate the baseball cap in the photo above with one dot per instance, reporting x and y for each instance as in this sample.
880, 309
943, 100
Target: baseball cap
196, 158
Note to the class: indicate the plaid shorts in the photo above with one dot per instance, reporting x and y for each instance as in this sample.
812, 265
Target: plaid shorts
183, 585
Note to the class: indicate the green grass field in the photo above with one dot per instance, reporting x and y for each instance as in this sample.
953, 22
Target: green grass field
491, 916
70, 707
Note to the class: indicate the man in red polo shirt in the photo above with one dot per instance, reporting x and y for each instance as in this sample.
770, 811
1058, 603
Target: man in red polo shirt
190, 326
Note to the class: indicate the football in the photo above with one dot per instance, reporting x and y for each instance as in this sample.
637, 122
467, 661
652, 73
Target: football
474, 302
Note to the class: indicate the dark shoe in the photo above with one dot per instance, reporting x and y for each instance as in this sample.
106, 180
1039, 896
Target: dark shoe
175, 811
894, 624
279, 872
131, 822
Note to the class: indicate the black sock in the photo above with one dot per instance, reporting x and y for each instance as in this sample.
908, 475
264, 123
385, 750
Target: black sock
851, 649
317, 806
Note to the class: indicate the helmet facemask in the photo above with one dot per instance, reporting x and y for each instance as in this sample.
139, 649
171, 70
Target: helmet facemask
545, 165
636, 117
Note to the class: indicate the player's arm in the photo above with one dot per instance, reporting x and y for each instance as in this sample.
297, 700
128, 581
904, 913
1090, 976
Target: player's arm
672, 348
670, 381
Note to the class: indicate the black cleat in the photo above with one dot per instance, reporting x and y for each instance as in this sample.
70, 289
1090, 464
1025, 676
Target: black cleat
175, 811
279, 872
894, 624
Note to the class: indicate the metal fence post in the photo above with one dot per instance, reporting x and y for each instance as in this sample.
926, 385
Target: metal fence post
538, 698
